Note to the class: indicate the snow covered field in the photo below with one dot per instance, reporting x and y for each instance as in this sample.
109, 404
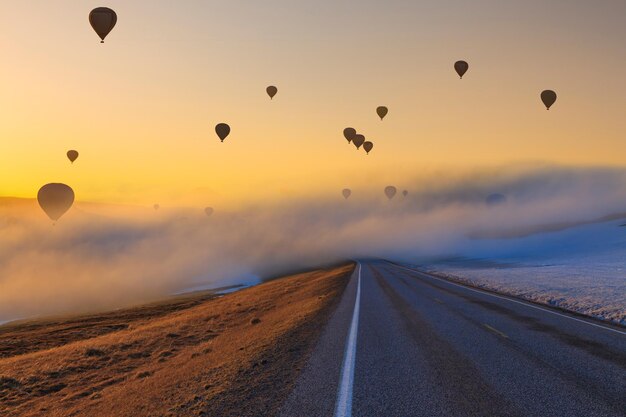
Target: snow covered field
581, 268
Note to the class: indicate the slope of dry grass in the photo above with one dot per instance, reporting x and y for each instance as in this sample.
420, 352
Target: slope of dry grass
236, 355
17, 338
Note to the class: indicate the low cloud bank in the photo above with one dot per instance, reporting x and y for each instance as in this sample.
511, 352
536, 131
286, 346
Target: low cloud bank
96, 258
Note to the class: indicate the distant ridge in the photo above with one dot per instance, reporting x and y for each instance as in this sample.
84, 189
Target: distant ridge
542, 228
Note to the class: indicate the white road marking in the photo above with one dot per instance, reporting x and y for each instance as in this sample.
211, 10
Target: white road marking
511, 300
343, 407
496, 331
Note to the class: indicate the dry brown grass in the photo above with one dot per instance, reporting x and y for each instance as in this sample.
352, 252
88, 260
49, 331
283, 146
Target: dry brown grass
236, 355
18, 338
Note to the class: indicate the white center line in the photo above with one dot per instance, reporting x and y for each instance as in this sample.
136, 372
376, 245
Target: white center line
343, 407
511, 300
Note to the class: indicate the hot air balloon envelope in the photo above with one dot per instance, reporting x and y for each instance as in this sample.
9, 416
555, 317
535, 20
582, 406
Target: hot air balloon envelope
548, 97
368, 146
156, 206
461, 68
102, 20
346, 192
495, 199
382, 111
271, 91
349, 133
55, 199
390, 191
405, 193
72, 155
222, 130
208, 211
358, 140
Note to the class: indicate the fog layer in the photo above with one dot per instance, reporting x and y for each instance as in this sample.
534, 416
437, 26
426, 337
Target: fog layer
99, 257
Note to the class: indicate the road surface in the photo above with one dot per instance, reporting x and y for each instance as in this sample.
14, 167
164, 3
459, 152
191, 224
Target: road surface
403, 343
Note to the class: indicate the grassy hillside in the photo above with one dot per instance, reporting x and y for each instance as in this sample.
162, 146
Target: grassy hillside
234, 355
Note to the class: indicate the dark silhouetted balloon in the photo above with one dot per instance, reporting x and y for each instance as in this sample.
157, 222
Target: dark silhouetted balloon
382, 111
461, 68
346, 192
495, 199
222, 130
156, 207
55, 199
271, 91
102, 20
548, 97
405, 193
208, 211
72, 155
358, 140
349, 133
368, 146
390, 191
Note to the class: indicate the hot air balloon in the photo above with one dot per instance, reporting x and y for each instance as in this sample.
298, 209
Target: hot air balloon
349, 133
461, 68
72, 155
368, 146
495, 199
346, 192
102, 20
382, 111
156, 207
55, 199
548, 97
358, 140
222, 130
390, 191
271, 91
208, 211
405, 193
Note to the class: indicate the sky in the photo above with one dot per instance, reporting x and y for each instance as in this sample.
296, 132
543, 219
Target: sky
141, 107
141, 110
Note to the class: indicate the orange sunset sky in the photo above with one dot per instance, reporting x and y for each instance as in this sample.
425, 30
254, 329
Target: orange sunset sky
141, 107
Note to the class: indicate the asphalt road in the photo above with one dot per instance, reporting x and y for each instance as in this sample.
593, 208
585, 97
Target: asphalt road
403, 343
